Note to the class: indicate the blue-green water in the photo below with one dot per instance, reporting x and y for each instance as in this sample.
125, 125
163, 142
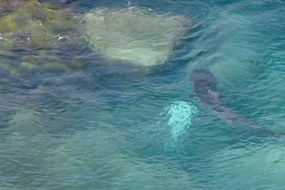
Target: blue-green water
111, 127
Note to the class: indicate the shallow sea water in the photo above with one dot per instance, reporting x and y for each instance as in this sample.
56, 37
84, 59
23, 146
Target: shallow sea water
122, 128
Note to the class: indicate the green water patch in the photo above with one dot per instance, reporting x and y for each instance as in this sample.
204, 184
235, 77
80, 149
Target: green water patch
264, 98
246, 61
230, 52
94, 160
39, 125
260, 167
25, 146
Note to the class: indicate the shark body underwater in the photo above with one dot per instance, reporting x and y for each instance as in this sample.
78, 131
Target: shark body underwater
205, 89
204, 84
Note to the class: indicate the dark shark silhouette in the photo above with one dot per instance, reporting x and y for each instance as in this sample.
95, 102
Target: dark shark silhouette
205, 88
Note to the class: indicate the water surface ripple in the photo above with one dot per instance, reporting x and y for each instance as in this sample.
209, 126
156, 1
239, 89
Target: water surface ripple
77, 121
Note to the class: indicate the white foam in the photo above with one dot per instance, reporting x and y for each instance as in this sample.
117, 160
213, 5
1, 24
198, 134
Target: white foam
180, 115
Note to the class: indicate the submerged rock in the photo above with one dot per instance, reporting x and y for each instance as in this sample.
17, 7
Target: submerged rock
38, 37
34, 24
253, 167
93, 160
133, 35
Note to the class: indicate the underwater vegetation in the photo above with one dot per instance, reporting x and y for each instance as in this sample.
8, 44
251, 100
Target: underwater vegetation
35, 24
36, 34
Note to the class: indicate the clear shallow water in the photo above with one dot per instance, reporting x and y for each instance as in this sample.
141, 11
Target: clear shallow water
112, 127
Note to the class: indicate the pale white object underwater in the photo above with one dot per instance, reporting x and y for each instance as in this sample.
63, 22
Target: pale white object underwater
180, 115
134, 35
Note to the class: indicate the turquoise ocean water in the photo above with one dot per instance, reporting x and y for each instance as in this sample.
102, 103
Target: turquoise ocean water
120, 128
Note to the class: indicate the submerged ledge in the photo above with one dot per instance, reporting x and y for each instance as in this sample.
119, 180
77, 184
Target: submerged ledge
134, 35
